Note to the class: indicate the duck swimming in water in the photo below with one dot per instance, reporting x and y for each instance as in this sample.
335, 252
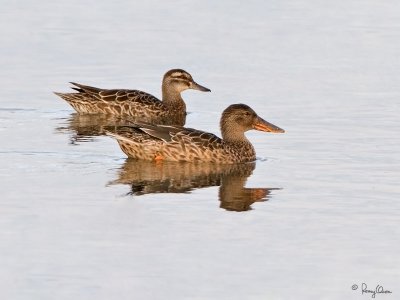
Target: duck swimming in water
134, 103
174, 143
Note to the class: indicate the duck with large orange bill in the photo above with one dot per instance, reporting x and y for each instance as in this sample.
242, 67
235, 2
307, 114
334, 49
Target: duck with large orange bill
175, 143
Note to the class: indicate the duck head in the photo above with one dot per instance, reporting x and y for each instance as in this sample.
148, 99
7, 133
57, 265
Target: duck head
180, 80
239, 118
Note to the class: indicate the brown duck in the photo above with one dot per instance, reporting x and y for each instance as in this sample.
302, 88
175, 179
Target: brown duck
134, 103
173, 143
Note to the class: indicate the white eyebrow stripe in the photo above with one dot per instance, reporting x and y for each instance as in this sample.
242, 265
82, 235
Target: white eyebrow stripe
176, 74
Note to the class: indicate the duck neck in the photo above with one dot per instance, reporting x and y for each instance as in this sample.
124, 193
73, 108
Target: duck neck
173, 99
237, 140
230, 135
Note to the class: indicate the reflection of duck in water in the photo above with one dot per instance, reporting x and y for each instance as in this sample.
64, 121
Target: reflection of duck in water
120, 102
86, 126
172, 143
146, 177
234, 196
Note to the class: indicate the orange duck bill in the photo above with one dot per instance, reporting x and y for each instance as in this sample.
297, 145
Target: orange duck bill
263, 125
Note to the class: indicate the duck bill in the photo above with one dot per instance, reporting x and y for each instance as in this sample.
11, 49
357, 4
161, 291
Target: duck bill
263, 125
196, 86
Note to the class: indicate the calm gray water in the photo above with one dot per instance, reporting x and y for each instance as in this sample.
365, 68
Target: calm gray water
79, 221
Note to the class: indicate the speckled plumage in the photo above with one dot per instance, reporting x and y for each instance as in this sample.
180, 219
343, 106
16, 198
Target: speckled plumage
123, 102
174, 143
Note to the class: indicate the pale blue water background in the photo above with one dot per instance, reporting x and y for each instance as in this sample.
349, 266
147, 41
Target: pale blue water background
327, 72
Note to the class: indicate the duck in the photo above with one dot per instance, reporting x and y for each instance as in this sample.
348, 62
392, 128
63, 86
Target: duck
135, 103
177, 143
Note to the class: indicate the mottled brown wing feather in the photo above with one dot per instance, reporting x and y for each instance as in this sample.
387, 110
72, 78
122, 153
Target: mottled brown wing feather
132, 133
197, 137
123, 102
118, 94
147, 132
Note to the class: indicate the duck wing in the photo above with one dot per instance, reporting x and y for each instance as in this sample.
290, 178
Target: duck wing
161, 132
117, 95
180, 134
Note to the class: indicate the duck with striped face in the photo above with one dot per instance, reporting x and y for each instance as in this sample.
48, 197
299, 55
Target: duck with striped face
134, 103
178, 80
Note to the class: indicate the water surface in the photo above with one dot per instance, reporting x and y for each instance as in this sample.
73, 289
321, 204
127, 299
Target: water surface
80, 221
